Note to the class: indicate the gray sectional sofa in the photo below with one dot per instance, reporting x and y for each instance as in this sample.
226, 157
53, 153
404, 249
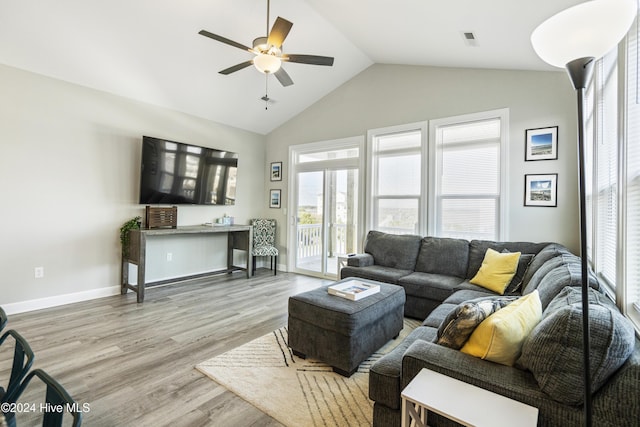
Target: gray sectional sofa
435, 273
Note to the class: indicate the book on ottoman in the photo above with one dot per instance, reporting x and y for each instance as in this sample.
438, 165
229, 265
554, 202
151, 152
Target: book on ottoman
353, 289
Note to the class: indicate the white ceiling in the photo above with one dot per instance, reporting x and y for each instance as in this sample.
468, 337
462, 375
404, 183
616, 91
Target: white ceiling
150, 50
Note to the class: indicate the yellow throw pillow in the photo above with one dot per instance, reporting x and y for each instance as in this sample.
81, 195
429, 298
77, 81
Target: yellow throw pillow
499, 337
497, 270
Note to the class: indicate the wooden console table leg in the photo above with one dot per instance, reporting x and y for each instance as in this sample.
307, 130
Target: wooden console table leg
124, 276
141, 267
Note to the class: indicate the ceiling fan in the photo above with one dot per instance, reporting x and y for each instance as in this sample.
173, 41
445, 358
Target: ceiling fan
268, 52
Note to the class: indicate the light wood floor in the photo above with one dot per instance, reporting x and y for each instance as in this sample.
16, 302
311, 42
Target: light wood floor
134, 363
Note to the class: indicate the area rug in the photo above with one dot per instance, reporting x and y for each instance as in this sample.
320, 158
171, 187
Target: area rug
297, 392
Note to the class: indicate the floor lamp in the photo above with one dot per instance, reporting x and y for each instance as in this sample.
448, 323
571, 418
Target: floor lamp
574, 39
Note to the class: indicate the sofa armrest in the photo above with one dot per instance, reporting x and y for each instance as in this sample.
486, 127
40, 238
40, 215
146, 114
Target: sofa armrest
505, 380
360, 260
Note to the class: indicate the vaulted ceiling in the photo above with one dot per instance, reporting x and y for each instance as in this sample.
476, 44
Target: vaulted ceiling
150, 50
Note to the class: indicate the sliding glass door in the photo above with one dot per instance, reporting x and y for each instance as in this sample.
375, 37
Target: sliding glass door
325, 209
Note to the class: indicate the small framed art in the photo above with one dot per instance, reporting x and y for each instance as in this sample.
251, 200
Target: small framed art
541, 144
276, 171
541, 190
274, 199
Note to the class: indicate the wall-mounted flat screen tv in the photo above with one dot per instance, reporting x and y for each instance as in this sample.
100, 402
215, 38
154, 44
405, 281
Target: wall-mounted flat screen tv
177, 173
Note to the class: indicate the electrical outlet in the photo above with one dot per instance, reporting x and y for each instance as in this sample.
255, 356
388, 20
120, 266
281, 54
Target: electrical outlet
169, 256
38, 272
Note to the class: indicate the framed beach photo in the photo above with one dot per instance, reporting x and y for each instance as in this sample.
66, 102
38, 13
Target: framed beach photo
274, 199
541, 190
276, 171
541, 144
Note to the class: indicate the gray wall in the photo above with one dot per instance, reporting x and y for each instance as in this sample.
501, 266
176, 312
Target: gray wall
387, 95
69, 176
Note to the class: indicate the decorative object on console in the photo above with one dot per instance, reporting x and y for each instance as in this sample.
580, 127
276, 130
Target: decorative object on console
541, 190
541, 144
274, 198
276, 171
575, 38
132, 224
161, 217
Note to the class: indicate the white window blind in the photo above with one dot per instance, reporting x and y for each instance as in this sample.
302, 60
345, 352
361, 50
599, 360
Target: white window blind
632, 156
468, 179
397, 189
606, 152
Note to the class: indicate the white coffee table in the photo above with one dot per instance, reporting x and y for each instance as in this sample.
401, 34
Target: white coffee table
464, 403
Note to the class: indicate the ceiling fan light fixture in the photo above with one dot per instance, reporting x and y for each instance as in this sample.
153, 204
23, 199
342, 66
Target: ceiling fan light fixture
266, 63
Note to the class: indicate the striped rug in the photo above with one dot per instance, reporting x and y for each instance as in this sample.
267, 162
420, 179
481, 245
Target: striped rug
297, 392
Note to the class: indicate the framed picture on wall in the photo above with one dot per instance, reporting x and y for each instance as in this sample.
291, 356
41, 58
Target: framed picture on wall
274, 199
276, 171
541, 144
541, 190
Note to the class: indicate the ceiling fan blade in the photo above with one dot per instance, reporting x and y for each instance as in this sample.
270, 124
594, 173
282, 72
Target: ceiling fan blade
279, 32
309, 59
223, 40
283, 77
237, 67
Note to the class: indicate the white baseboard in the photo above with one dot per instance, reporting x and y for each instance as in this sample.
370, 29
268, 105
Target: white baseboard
54, 301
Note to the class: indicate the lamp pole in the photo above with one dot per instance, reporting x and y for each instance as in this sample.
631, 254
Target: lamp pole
580, 72
586, 31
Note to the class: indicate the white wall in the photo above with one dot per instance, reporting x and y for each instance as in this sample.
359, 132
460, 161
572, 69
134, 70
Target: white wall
388, 95
69, 176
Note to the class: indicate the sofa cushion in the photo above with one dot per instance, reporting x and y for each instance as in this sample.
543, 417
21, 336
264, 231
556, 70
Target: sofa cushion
556, 274
500, 336
551, 250
384, 375
553, 351
497, 270
395, 251
437, 316
478, 248
441, 255
375, 272
462, 295
457, 326
431, 286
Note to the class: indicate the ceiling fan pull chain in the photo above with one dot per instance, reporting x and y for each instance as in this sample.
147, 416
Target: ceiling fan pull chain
266, 90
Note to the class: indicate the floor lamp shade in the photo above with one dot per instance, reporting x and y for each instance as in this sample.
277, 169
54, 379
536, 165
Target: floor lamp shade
589, 29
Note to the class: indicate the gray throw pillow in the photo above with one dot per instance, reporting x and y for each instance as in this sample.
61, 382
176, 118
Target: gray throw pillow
460, 323
553, 351
516, 282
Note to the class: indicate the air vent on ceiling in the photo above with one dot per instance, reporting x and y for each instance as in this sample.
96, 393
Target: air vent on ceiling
469, 38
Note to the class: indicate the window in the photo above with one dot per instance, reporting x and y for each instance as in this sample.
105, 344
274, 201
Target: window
631, 150
602, 148
397, 179
468, 189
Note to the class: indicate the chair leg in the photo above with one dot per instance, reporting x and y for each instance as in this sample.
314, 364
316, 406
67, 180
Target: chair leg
253, 270
275, 265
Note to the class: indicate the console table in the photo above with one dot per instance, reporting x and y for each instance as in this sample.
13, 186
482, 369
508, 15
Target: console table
238, 237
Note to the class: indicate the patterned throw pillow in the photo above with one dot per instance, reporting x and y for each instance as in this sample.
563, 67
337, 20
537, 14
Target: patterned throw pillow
460, 323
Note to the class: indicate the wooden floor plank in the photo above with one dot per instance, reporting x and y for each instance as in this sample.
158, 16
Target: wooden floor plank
134, 363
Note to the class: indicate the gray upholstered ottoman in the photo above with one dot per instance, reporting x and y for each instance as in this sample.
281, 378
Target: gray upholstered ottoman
341, 332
